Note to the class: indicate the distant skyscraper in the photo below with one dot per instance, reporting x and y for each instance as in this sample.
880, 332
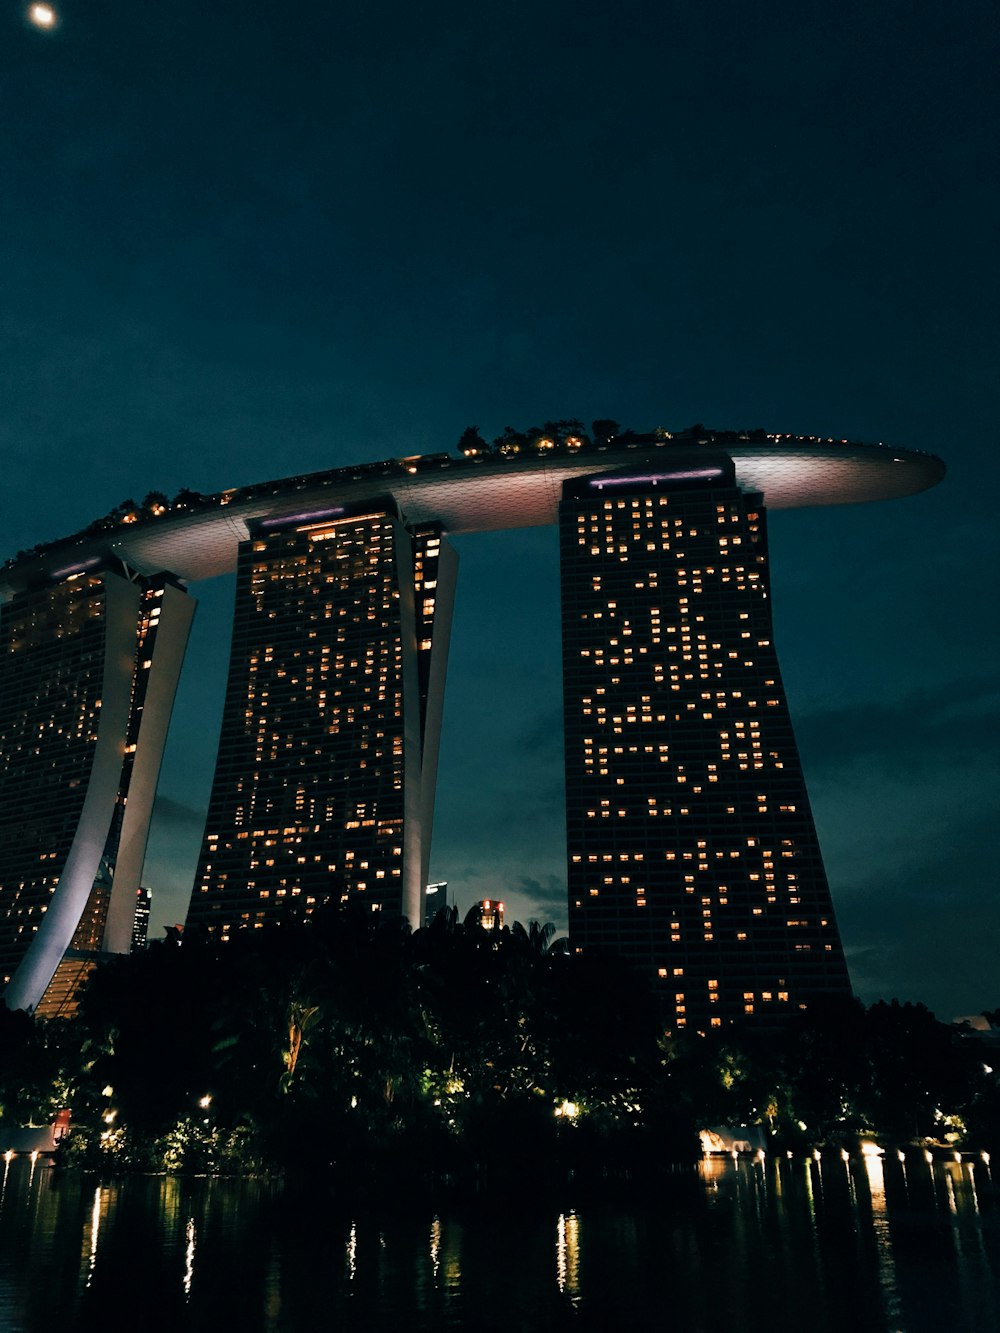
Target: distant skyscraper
140, 924
692, 849
324, 782
88, 669
491, 912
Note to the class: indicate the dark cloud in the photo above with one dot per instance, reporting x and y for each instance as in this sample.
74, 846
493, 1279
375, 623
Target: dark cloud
929, 929
548, 895
945, 723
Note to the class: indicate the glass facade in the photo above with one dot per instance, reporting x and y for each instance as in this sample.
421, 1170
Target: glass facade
51, 679
330, 724
78, 689
692, 848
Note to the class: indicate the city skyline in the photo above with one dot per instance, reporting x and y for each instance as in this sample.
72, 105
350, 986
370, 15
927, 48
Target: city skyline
331, 724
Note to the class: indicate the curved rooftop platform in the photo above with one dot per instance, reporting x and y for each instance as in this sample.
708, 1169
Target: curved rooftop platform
197, 537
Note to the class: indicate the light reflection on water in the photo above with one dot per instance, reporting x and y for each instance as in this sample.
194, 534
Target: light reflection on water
189, 1257
883, 1238
95, 1231
824, 1244
568, 1256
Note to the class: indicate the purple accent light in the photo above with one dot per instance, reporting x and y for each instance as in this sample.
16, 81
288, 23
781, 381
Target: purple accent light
691, 474
75, 569
287, 519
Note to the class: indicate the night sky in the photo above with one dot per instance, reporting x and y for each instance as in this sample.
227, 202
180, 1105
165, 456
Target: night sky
241, 241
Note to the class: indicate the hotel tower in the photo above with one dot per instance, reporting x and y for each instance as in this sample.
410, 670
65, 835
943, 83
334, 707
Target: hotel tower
692, 850
325, 777
88, 668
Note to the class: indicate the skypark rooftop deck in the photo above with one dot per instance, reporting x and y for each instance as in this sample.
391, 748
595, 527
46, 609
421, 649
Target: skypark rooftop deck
197, 536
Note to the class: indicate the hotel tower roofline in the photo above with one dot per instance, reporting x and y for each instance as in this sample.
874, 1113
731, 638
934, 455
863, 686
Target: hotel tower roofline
199, 536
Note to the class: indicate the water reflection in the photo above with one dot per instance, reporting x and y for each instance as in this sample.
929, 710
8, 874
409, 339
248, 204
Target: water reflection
189, 1257
568, 1256
95, 1230
882, 1236
872, 1243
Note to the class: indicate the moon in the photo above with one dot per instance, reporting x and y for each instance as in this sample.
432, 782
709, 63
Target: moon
42, 16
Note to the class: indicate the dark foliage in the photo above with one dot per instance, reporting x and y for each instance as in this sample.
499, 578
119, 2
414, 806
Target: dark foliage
346, 1042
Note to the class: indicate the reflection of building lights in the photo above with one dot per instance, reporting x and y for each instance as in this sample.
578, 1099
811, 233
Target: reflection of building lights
845, 1156
189, 1257
568, 1255
9, 1155
95, 1226
874, 1169
928, 1155
900, 1154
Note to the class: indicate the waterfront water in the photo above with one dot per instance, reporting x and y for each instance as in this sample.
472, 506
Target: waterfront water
869, 1244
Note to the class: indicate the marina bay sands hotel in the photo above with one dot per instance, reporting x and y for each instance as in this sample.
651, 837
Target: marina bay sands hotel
691, 848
